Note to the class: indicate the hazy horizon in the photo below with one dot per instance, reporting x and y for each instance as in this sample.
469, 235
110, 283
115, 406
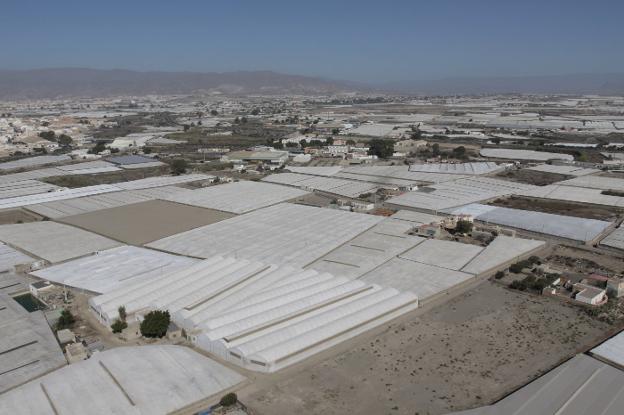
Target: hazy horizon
360, 41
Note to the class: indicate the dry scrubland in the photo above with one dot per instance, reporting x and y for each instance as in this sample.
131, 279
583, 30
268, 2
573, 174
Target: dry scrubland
465, 353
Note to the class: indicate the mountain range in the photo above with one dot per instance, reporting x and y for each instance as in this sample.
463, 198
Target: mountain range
83, 82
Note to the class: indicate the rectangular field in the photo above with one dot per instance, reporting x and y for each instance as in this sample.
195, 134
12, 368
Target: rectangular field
143, 222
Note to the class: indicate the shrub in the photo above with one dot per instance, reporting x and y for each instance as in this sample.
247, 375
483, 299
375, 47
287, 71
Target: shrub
118, 326
66, 320
179, 166
228, 399
463, 226
155, 324
499, 275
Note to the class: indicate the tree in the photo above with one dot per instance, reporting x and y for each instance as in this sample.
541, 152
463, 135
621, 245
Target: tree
381, 148
459, 152
179, 166
329, 141
350, 142
98, 148
66, 320
499, 275
228, 399
463, 226
155, 324
48, 135
214, 113
187, 127
65, 140
118, 326
435, 149
255, 111
122, 313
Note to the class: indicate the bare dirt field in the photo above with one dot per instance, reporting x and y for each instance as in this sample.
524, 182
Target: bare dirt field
557, 207
468, 352
537, 178
584, 260
145, 222
81, 180
18, 216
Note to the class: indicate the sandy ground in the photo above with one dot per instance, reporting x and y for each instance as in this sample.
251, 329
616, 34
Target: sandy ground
145, 222
468, 352
558, 207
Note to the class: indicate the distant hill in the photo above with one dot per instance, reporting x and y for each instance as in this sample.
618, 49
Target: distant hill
79, 82
601, 84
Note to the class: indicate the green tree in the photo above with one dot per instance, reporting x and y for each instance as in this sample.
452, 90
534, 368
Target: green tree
118, 326
228, 399
179, 166
329, 141
155, 324
459, 152
255, 111
65, 140
187, 127
381, 148
98, 148
463, 226
435, 149
214, 113
66, 320
122, 313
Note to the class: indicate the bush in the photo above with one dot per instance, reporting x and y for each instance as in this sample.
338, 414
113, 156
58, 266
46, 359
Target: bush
463, 226
155, 324
499, 275
118, 326
179, 166
228, 399
66, 320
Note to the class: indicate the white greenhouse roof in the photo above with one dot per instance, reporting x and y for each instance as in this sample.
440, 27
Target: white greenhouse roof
89, 167
596, 182
33, 161
114, 268
341, 187
137, 380
28, 348
611, 350
259, 316
505, 153
401, 172
369, 250
570, 227
457, 168
79, 205
316, 170
573, 194
444, 254
24, 188
237, 197
457, 193
63, 194
284, 233
52, 241
10, 257
569, 170
580, 386
161, 181
615, 239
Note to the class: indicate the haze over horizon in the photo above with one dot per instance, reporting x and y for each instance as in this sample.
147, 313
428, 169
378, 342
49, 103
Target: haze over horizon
361, 41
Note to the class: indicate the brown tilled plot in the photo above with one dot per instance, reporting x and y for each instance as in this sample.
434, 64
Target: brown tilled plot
144, 222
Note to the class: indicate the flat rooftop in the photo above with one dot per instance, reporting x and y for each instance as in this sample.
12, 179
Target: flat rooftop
237, 197
283, 233
125, 380
54, 242
28, 347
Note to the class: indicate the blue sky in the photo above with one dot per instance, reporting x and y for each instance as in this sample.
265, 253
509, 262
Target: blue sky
371, 41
